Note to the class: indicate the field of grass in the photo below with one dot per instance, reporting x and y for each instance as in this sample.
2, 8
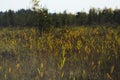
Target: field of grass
80, 53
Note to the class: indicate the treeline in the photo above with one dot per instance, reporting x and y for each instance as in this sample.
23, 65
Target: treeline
43, 19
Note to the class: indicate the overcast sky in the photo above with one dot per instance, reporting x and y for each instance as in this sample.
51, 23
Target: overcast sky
60, 5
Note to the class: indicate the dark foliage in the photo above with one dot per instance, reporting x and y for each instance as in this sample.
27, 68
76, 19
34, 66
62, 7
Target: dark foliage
43, 19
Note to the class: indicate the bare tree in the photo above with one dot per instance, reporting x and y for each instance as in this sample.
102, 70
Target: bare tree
35, 6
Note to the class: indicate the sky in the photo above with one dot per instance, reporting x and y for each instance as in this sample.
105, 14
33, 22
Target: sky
72, 6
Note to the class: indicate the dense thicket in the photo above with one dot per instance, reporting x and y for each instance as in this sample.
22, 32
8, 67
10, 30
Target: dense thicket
43, 19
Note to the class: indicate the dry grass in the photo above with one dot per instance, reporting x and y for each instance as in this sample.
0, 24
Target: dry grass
80, 53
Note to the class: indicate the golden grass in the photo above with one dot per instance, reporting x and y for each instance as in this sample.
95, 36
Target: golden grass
80, 53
